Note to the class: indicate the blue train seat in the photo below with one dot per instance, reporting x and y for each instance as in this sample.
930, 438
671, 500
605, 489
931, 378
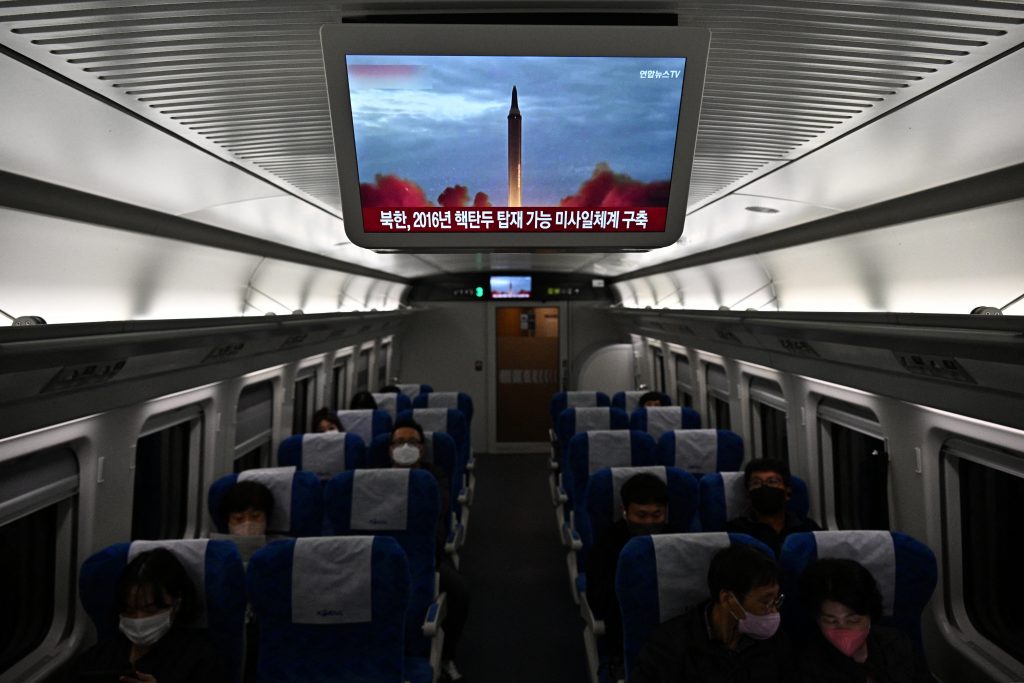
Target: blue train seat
323, 454
904, 568
392, 403
447, 399
723, 497
365, 423
576, 399
699, 451
657, 421
298, 504
628, 400
331, 609
215, 568
404, 504
414, 390
660, 577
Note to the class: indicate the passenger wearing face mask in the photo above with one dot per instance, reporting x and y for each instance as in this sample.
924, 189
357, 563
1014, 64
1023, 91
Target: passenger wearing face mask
408, 449
644, 511
733, 637
326, 420
155, 600
767, 519
848, 645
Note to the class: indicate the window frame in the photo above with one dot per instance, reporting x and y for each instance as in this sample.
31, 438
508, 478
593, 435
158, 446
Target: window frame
309, 373
760, 394
369, 348
853, 417
953, 449
342, 395
713, 391
195, 416
241, 448
383, 358
40, 660
684, 381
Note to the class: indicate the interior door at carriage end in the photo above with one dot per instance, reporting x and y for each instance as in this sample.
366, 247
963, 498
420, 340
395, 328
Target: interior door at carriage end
527, 349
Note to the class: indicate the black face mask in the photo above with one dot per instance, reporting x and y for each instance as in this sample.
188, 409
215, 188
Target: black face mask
636, 529
767, 500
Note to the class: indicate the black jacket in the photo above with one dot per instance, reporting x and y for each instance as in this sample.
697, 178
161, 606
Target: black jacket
891, 659
184, 655
602, 561
682, 650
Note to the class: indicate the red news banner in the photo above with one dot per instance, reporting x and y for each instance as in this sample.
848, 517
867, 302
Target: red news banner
499, 220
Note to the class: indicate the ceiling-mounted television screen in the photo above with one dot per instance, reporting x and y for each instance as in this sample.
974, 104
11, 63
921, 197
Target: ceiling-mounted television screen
521, 138
511, 286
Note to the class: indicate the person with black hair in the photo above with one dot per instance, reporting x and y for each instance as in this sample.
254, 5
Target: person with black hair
246, 507
408, 449
390, 389
767, 482
155, 598
732, 637
363, 400
848, 645
326, 420
644, 511
652, 399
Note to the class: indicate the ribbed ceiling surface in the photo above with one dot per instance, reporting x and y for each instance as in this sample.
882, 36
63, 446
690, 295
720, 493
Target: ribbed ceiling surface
244, 79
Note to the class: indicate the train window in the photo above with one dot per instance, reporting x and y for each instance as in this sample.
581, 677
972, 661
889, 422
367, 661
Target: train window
304, 403
990, 564
684, 381
768, 413
36, 519
857, 464
363, 370
383, 359
339, 399
718, 398
254, 426
166, 472
659, 369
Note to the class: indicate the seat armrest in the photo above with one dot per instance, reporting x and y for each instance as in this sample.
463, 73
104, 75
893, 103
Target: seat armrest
435, 615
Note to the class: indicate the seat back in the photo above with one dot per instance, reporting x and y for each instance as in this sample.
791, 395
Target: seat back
904, 569
603, 500
628, 400
660, 577
576, 399
298, 505
591, 451
215, 568
414, 390
366, 423
330, 608
392, 403
699, 451
657, 421
447, 399
441, 451
323, 454
450, 421
723, 497
401, 503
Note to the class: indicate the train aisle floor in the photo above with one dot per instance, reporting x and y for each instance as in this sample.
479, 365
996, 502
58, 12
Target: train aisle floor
523, 626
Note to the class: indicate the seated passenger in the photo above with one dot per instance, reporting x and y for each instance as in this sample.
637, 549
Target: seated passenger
247, 507
363, 400
847, 646
644, 511
155, 598
407, 449
390, 389
733, 636
652, 399
767, 519
326, 420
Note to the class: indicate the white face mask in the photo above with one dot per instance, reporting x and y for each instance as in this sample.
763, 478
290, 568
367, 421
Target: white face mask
405, 455
248, 528
146, 630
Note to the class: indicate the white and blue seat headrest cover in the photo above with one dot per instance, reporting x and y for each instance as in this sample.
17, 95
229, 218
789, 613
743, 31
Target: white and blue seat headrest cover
580, 399
592, 419
682, 561
443, 399
380, 500
387, 402
696, 449
661, 419
873, 549
736, 502
323, 454
279, 481
608, 448
332, 580
191, 553
620, 475
431, 419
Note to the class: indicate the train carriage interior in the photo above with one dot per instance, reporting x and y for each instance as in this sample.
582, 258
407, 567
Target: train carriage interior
183, 294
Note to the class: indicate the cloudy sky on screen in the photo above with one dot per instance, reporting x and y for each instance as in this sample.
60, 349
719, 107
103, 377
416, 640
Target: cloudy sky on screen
441, 121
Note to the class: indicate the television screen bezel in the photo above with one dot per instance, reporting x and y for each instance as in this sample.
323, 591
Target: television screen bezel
340, 40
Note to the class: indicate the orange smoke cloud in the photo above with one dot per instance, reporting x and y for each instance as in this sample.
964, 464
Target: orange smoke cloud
481, 199
454, 197
607, 189
392, 191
